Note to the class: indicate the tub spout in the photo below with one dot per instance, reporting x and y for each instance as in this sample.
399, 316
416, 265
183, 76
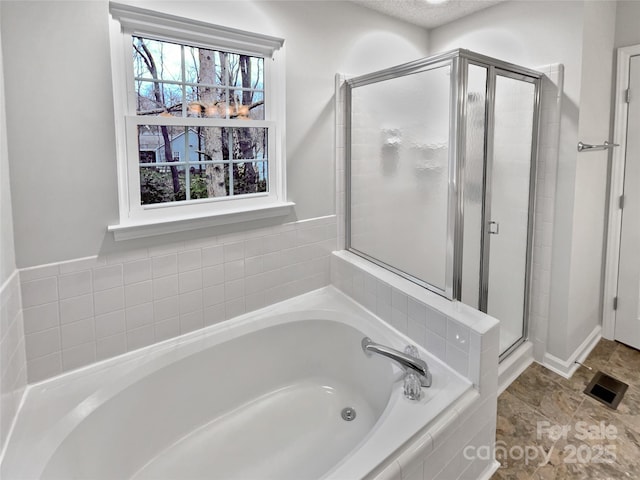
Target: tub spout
409, 362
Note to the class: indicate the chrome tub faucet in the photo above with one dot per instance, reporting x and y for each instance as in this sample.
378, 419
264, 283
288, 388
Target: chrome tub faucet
417, 372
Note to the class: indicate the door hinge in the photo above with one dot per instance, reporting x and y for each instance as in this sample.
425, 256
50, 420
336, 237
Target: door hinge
615, 303
621, 202
627, 96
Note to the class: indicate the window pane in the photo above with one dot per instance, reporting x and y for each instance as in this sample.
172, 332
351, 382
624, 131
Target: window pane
249, 143
209, 102
247, 72
205, 66
182, 80
157, 60
211, 144
209, 181
256, 110
164, 142
234, 75
194, 107
192, 64
214, 156
155, 98
161, 185
250, 177
147, 156
247, 104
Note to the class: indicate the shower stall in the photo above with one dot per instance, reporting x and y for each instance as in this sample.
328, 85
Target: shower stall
441, 159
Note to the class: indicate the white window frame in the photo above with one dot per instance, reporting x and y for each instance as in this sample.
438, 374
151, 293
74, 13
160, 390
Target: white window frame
137, 220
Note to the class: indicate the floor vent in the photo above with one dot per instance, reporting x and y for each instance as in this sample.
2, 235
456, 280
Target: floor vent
606, 389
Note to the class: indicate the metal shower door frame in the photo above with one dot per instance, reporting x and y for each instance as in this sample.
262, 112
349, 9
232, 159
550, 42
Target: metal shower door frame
497, 68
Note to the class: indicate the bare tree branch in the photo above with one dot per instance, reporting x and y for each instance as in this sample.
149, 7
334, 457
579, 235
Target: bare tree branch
155, 111
251, 107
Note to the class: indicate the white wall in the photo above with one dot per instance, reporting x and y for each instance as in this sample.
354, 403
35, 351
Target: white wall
589, 214
12, 348
60, 108
578, 35
627, 15
60, 128
7, 250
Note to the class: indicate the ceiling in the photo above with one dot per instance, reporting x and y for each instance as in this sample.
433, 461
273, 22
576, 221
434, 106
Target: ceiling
424, 14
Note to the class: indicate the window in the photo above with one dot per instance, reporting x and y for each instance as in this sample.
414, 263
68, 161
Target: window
199, 112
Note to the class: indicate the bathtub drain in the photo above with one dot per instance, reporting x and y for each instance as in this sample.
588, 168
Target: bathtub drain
348, 414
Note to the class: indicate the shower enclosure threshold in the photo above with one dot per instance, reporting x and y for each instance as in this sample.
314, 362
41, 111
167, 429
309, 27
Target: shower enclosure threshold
514, 364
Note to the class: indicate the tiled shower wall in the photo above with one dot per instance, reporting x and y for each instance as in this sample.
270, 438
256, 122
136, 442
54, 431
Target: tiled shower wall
550, 103
82, 311
13, 374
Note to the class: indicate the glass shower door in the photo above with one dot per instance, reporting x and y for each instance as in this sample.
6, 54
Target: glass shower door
509, 205
399, 174
474, 191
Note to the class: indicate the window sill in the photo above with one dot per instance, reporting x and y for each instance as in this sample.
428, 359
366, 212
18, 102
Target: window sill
140, 229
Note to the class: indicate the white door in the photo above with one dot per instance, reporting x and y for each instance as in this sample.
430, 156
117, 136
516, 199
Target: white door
627, 329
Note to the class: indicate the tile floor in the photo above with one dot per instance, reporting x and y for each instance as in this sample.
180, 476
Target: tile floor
548, 429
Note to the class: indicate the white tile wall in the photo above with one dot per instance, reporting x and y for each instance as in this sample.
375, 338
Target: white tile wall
439, 454
340, 158
13, 364
458, 335
94, 308
551, 98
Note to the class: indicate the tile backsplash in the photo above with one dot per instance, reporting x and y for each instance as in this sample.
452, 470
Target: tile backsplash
90, 309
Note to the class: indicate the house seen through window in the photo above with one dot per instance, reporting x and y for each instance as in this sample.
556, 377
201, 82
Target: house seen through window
191, 160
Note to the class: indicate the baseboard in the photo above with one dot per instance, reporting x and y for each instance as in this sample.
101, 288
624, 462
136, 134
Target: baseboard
489, 471
566, 368
512, 366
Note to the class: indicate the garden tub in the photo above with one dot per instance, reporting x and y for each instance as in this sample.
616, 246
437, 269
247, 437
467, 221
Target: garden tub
260, 396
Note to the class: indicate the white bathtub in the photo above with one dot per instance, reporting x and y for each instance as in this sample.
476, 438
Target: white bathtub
257, 397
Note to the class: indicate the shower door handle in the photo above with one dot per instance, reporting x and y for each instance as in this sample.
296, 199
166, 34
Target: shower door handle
494, 228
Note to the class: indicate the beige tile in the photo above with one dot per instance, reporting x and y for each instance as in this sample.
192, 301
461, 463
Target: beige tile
510, 474
581, 378
550, 398
624, 364
600, 428
601, 353
516, 433
559, 472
